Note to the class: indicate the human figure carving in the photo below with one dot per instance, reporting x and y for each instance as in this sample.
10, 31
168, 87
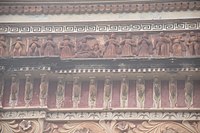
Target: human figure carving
28, 90
128, 46
145, 47
66, 47
83, 49
188, 92
14, 91
192, 44
111, 47
107, 93
3, 46
173, 92
34, 47
60, 93
76, 93
124, 93
140, 87
162, 45
49, 48
177, 49
157, 93
18, 48
92, 93
43, 90
96, 51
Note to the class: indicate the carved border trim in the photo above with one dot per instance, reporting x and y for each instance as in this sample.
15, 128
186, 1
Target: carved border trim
103, 7
130, 26
6, 115
101, 115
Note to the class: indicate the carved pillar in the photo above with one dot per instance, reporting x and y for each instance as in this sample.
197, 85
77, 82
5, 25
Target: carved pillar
156, 93
92, 93
107, 93
1, 88
124, 93
28, 90
60, 93
14, 91
76, 92
188, 91
172, 92
140, 92
43, 90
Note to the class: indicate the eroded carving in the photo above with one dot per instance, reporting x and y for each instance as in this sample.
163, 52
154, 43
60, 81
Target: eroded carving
140, 92
49, 47
28, 90
76, 92
145, 47
34, 48
107, 93
3, 46
124, 93
14, 91
60, 93
173, 92
18, 48
66, 47
188, 92
43, 90
92, 93
156, 93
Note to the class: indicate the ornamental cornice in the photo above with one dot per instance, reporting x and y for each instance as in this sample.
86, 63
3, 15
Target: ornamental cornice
35, 8
100, 27
189, 115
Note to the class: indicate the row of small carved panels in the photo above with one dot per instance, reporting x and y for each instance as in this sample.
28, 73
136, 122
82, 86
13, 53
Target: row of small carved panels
100, 94
98, 8
182, 44
115, 27
102, 126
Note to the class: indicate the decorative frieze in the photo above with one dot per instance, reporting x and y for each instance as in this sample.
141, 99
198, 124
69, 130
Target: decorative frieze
96, 7
124, 26
123, 115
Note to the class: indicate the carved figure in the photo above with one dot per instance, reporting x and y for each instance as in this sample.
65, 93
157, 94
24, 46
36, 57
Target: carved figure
188, 92
43, 90
96, 51
2, 46
140, 87
92, 93
76, 93
184, 39
83, 49
14, 91
66, 47
124, 93
162, 45
60, 93
34, 47
28, 90
128, 46
49, 48
145, 47
192, 45
107, 94
177, 49
173, 92
25, 125
111, 47
157, 93
18, 48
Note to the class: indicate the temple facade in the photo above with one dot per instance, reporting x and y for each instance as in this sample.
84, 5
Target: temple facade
100, 66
